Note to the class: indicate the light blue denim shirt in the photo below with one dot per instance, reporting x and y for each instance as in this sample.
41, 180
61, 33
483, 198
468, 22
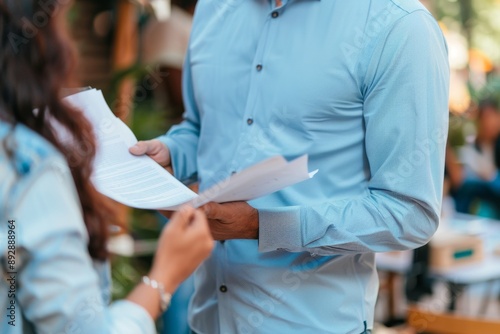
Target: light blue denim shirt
359, 86
56, 288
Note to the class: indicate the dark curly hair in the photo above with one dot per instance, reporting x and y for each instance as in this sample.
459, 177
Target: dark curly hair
36, 61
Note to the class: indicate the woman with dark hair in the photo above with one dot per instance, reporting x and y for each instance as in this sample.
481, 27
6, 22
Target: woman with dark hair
54, 224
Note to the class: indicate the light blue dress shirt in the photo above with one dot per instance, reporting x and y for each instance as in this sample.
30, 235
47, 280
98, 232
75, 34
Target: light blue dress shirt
56, 287
359, 86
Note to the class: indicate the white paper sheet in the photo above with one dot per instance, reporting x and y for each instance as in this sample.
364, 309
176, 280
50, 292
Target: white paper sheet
141, 183
259, 180
134, 181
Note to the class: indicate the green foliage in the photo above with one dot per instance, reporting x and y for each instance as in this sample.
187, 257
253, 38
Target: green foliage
127, 271
149, 121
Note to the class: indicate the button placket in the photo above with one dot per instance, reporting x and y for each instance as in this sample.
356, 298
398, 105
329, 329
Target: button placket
222, 281
253, 92
259, 70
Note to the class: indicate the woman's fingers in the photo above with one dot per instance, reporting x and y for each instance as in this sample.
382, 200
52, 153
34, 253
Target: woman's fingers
183, 217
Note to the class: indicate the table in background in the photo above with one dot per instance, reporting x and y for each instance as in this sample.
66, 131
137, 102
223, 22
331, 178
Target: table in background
457, 278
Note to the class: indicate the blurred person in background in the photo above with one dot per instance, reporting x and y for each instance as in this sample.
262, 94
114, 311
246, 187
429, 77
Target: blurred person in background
61, 282
359, 86
453, 180
481, 161
453, 171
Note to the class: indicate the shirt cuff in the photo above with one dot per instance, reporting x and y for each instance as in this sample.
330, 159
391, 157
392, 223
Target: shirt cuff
131, 318
279, 228
175, 154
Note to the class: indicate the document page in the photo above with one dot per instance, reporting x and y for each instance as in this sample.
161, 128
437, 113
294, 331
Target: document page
134, 181
259, 180
140, 182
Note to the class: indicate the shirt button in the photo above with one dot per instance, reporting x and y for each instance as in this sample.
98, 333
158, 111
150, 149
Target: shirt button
249, 121
259, 67
275, 15
223, 288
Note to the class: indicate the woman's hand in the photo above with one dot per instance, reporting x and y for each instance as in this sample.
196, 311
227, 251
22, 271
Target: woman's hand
184, 243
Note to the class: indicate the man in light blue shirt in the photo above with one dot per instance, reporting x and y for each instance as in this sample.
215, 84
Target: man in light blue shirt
359, 86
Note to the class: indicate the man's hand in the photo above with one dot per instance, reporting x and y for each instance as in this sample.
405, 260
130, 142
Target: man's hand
156, 150
236, 220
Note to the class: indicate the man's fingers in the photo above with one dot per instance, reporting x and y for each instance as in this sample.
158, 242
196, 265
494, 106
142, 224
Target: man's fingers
140, 148
155, 149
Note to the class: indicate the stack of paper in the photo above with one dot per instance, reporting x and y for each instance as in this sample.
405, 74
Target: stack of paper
141, 183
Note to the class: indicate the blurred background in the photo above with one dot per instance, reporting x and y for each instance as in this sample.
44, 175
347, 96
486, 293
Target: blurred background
133, 51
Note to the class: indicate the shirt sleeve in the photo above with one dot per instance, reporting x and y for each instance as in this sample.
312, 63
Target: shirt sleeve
405, 93
182, 139
58, 287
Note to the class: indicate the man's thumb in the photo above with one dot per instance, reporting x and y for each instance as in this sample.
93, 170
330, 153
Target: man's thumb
139, 149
